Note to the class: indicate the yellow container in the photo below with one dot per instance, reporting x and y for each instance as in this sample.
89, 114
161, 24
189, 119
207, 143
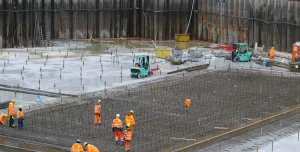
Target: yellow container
182, 37
182, 45
162, 52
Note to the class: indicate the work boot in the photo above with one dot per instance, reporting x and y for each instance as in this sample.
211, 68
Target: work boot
123, 142
116, 142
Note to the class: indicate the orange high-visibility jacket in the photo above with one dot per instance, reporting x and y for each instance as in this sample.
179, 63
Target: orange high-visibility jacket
91, 148
2, 119
97, 109
20, 114
77, 148
130, 119
272, 52
11, 109
188, 102
117, 123
128, 134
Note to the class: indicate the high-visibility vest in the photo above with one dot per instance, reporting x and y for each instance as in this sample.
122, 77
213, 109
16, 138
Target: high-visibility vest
2, 119
188, 102
91, 148
20, 114
128, 134
130, 119
77, 148
11, 109
97, 108
117, 123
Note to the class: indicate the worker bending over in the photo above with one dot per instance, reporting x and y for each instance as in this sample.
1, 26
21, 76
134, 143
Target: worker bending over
272, 53
11, 113
20, 116
129, 118
97, 113
187, 105
77, 146
3, 119
117, 128
90, 148
127, 137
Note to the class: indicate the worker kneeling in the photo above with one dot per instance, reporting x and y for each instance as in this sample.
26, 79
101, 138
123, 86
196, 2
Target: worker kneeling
90, 148
127, 137
20, 116
117, 128
97, 113
3, 119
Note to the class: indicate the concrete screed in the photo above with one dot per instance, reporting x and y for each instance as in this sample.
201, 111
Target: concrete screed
219, 99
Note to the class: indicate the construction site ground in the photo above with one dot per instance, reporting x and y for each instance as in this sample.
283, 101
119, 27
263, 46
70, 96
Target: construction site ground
261, 139
219, 99
226, 95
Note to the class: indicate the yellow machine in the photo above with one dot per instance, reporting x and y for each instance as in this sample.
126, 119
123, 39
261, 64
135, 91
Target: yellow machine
163, 53
182, 40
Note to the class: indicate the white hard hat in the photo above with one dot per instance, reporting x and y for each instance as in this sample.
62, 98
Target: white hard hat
118, 115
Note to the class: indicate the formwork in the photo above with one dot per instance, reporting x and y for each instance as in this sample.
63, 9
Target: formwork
250, 21
220, 99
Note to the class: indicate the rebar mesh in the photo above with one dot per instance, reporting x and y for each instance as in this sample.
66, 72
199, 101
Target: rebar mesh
220, 99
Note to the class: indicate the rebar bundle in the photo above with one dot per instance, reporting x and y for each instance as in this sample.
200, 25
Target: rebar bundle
220, 100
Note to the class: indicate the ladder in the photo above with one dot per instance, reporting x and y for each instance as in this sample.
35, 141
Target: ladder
41, 34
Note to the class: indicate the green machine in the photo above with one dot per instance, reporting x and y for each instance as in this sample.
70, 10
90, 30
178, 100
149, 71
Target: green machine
241, 53
140, 67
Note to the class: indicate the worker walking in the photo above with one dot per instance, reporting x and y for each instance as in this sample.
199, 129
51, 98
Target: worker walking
117, 128
97, 113
272, 53
129, 119
90, 148
3, 119
77, 146
11, 113
20, 116
187, 104
127, 136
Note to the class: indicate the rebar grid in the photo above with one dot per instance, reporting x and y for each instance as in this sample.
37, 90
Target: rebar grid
220, 100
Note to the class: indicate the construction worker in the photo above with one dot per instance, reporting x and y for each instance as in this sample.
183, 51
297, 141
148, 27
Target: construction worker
129, 118
3, 119
11, 113
90, 148
97, 113
77, 146
187, 104
117, 128
20, 116
127, 137
272, 53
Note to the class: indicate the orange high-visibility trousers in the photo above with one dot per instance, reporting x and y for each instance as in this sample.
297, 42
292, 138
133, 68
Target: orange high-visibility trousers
118, 135
97, 118
127, 145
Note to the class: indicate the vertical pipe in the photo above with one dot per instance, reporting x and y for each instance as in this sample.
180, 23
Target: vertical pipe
71, 17
290, 28
97, 19
284, 5
52, 32
297, 13
4, 27
42, 23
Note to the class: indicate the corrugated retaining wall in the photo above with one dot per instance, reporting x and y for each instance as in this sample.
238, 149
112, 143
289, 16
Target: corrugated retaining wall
262, 21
